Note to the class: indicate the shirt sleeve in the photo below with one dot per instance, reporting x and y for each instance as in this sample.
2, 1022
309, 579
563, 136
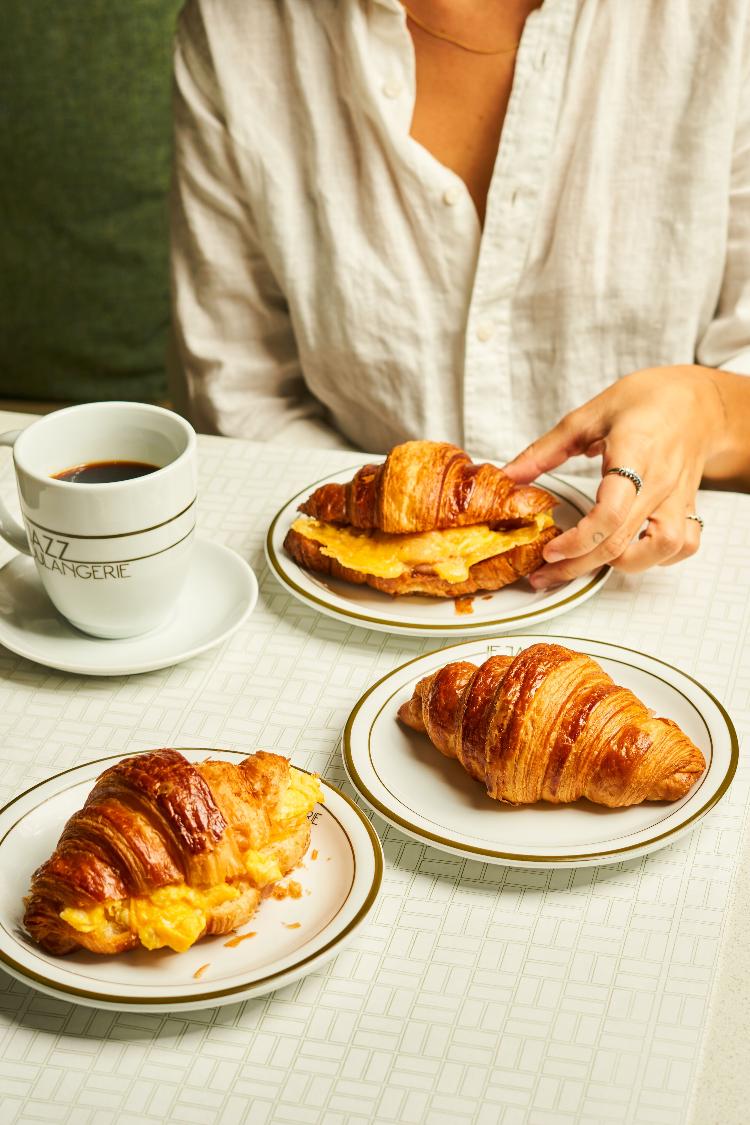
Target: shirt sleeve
235, 367
726, 341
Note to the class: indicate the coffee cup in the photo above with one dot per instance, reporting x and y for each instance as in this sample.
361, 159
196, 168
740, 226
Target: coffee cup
108, 497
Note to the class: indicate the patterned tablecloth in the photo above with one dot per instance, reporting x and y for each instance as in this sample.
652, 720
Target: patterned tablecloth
477, 993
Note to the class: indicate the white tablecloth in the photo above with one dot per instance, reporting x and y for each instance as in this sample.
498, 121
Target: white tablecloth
478, 993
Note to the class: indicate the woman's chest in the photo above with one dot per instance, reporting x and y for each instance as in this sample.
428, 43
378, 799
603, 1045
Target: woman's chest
610, 188
460, 105
463, 70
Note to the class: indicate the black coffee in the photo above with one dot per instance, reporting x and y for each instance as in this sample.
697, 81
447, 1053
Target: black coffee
105, 472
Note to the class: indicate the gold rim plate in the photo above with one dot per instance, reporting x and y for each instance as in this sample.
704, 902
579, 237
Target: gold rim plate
413, 616
431, 798
347, 885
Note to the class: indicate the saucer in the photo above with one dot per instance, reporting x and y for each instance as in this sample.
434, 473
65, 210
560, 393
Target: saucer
220, 592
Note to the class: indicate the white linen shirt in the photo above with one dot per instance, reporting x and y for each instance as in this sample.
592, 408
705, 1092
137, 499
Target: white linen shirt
331, 281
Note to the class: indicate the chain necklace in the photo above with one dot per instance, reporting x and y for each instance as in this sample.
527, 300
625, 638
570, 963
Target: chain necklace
457, 42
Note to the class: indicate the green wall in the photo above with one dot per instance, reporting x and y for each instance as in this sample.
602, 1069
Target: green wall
84, 169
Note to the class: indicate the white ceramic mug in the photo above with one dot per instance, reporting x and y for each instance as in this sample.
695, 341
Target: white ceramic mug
112, 557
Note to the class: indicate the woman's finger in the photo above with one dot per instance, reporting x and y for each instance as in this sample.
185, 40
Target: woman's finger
669, 537
615, 545
572, 435
620, 506
615, 500
690, 544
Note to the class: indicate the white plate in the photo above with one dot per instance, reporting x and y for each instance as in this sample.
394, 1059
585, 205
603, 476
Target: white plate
514, 607
220, 592
430, 797
343, 882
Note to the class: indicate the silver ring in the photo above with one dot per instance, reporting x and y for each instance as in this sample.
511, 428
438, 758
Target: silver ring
697, 519
631, 475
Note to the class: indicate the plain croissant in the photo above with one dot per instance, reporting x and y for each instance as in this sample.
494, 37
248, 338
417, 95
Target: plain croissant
425, 521
425, 486
551, 725
164, 851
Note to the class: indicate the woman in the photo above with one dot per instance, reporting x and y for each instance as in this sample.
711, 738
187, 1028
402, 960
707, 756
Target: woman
461, 221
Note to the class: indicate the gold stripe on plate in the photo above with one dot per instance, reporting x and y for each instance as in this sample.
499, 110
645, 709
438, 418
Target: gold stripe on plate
195, 996
548, 861
480, 626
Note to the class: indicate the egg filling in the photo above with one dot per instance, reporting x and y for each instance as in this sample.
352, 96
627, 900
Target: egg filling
450, 553
176, 915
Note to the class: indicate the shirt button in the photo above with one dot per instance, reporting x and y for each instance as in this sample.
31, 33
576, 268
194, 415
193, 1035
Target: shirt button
485, 331
392, 88
451, 195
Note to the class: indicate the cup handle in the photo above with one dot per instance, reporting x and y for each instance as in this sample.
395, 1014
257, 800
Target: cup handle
10, 528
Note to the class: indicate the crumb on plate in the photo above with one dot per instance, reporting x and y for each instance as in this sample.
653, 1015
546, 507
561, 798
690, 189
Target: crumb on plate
235, 941
292, 889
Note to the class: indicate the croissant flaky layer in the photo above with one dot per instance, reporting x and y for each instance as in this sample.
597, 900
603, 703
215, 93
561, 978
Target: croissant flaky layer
551, 725
164, 851
423, 486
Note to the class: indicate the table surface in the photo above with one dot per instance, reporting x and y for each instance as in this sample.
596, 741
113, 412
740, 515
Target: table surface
477, 993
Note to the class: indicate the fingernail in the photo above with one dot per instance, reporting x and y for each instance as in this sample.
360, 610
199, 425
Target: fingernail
538, 581
553, 556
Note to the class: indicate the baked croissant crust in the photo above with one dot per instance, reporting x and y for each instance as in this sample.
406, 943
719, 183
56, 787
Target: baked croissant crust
164, 852
551, 725
426, 521
424, 486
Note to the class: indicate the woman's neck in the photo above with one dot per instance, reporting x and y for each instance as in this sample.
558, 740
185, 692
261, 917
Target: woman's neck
462, 95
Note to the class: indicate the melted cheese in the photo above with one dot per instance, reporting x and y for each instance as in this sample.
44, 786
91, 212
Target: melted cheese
449, 553
176, 915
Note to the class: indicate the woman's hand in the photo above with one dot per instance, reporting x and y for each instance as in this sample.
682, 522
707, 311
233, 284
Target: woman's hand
665, 423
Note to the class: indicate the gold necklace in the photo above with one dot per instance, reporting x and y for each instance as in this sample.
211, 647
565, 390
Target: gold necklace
457, 42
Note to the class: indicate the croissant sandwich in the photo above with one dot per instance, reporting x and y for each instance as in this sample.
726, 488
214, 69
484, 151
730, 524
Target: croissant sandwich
164, 852
551, 725
425, 521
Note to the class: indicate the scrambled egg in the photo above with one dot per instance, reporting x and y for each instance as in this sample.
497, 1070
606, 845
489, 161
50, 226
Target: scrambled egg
176, 915
173, 915
450, 553
301, 797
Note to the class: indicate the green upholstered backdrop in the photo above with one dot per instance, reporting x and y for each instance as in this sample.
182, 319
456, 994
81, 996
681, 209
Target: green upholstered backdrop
85, 142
